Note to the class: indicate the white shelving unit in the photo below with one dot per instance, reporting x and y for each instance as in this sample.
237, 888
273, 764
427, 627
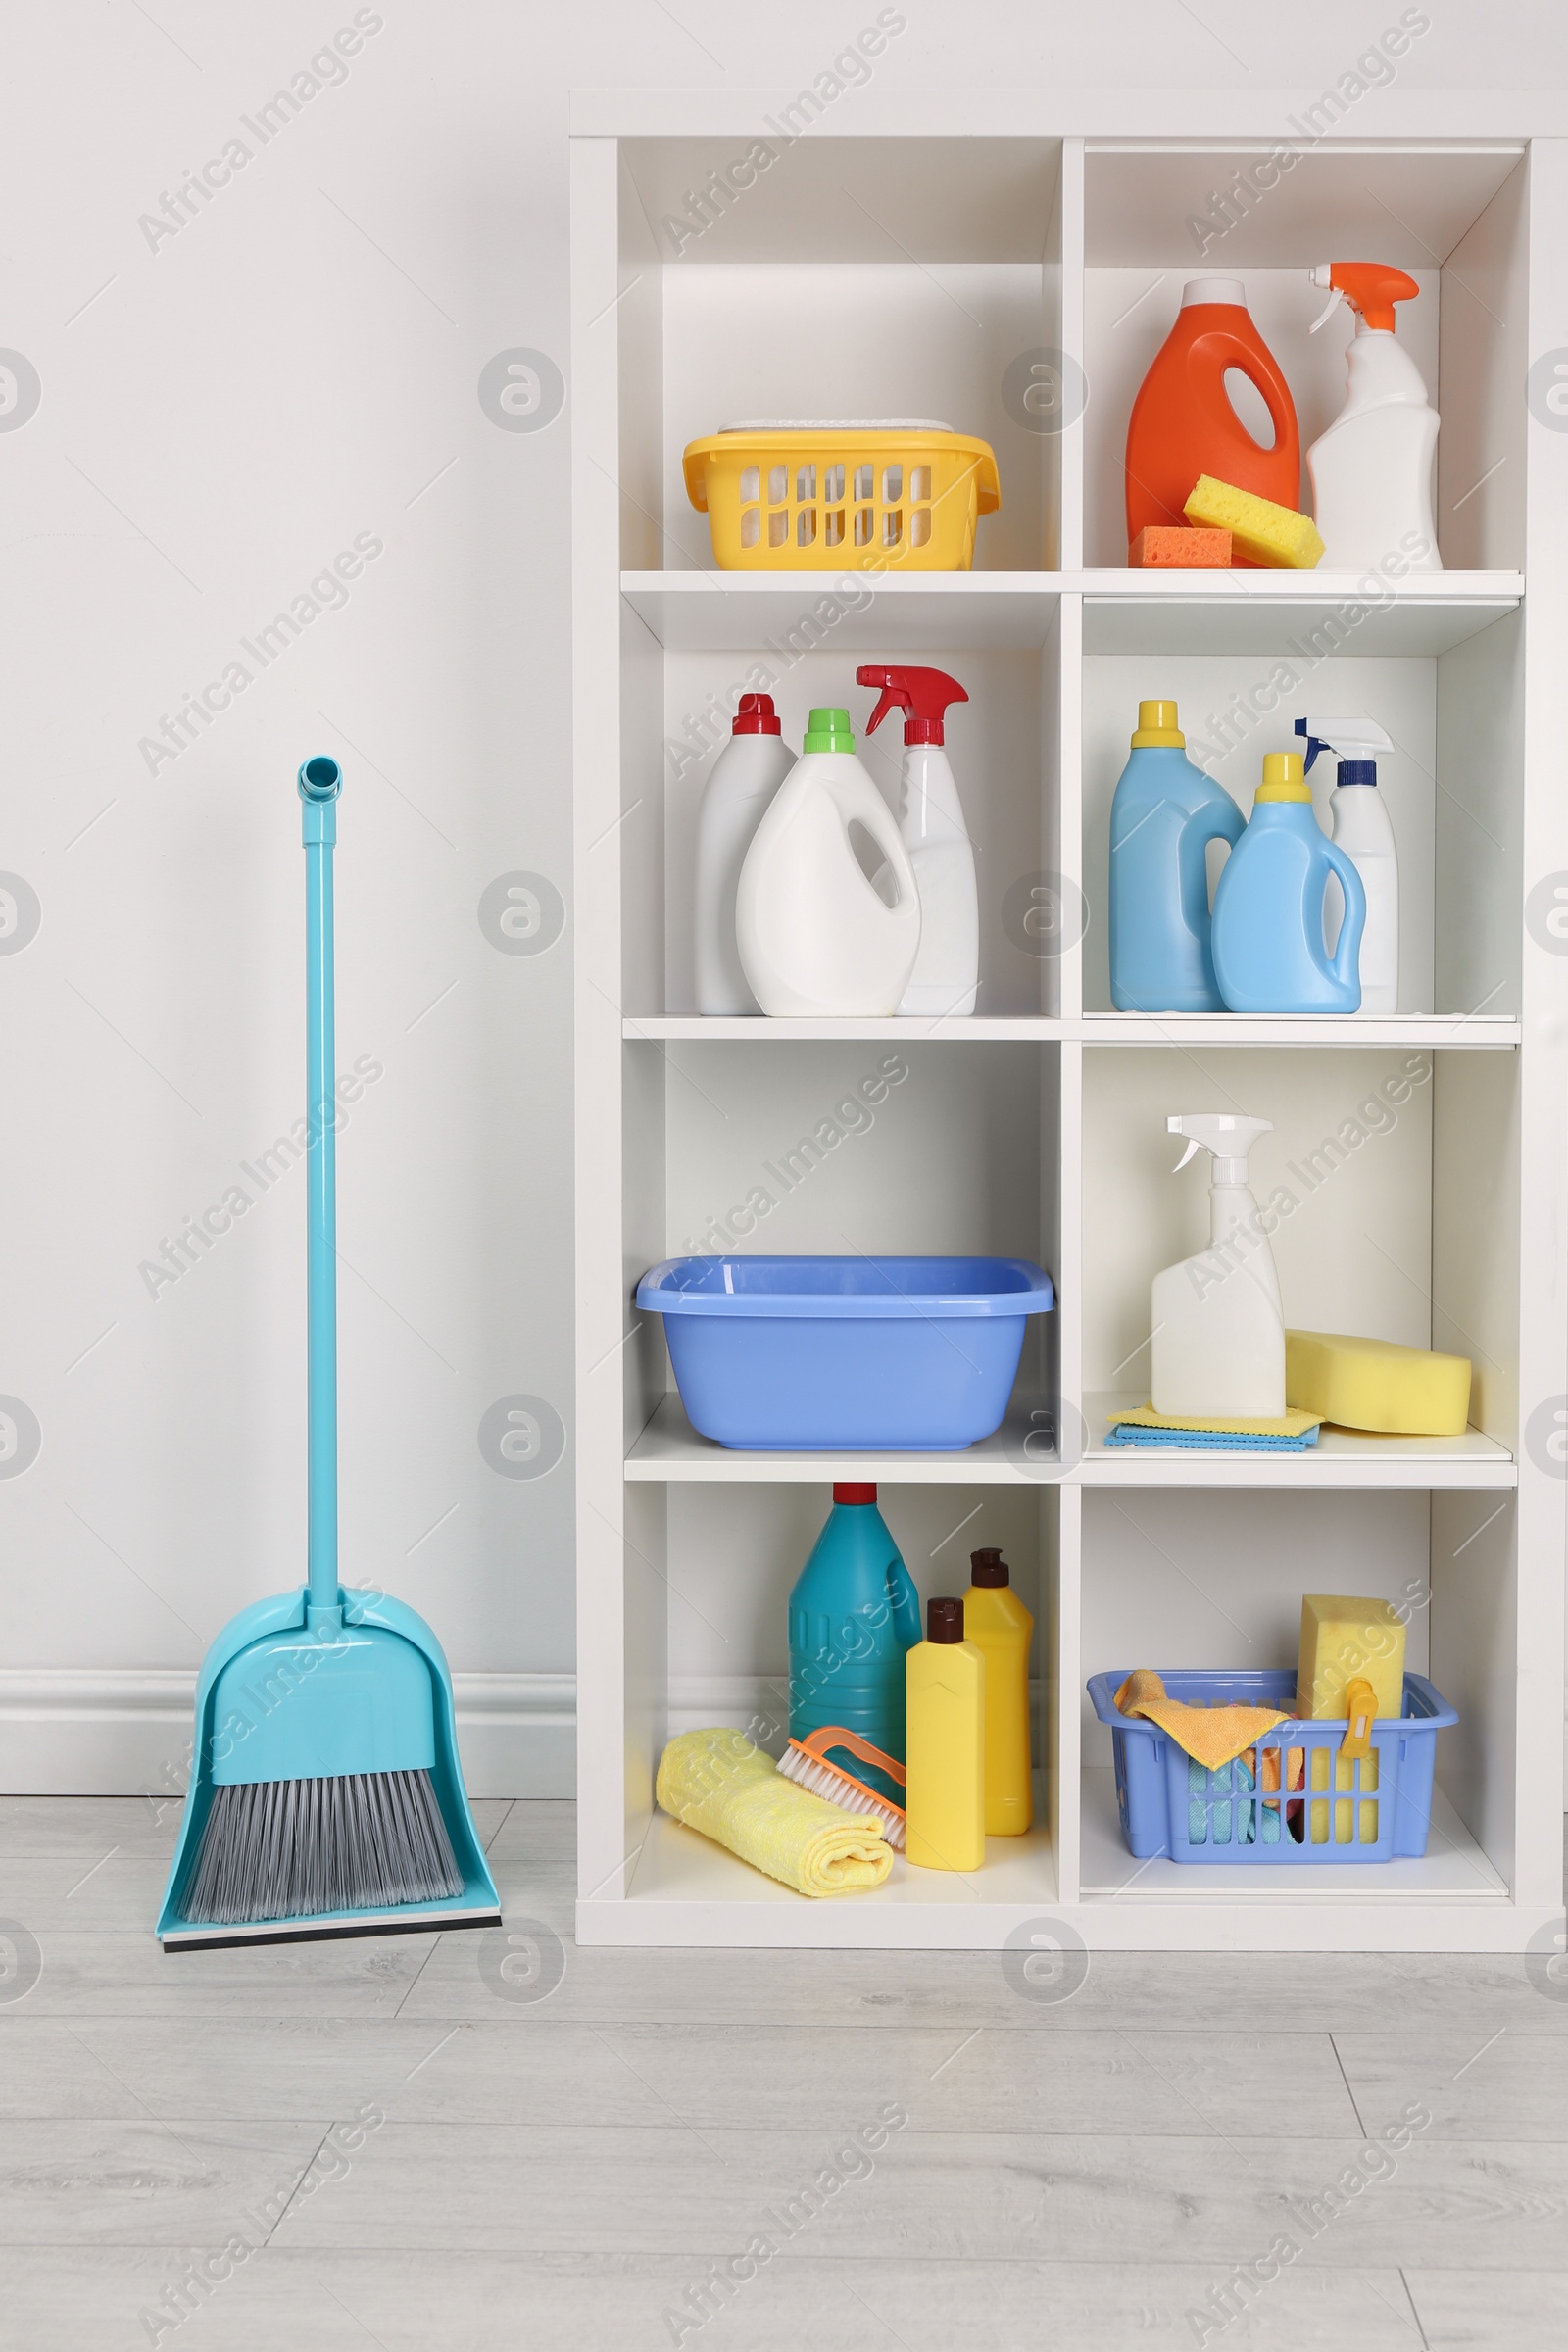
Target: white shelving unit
898, 267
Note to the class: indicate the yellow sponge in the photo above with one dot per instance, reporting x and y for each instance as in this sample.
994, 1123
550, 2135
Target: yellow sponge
1273, 535
1345, 1641
1375, 1385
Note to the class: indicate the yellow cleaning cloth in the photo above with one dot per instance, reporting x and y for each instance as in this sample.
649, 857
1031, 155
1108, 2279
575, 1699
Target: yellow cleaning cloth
1288, 1425
722, 1783
1212, 1736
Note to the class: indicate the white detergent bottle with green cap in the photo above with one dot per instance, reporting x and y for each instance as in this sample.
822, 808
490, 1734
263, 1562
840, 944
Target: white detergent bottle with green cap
1359, 817
817, 937
1218, 1326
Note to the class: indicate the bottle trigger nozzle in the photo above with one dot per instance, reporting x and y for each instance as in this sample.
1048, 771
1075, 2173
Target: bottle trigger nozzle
1327, 312
1191, 1147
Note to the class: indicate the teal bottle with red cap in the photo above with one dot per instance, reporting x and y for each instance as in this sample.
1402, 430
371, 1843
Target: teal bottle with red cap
853, 1613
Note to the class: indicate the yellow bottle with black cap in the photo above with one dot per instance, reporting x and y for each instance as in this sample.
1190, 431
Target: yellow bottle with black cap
997, 1621
945, 1759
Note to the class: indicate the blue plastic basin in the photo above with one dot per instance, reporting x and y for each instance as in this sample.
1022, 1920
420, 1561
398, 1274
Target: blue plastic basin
816, 1355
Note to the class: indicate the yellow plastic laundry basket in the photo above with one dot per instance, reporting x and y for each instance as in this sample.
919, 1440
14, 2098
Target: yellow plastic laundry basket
900, 495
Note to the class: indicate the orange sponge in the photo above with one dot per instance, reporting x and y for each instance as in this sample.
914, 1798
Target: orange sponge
1161, 547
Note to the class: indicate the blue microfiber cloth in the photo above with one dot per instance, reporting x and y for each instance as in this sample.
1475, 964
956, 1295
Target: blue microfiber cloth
1208, 1808
1209, 1440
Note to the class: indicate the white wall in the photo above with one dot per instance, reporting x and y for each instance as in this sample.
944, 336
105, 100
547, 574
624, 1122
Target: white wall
221, 411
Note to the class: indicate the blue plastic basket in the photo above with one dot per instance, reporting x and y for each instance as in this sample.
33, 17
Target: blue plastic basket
816, 1355
1173, 1806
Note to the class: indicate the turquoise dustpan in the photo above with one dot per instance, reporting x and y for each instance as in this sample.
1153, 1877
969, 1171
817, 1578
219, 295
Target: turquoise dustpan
326, 1793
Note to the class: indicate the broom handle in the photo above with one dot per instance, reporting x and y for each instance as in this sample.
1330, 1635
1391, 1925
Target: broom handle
319, 782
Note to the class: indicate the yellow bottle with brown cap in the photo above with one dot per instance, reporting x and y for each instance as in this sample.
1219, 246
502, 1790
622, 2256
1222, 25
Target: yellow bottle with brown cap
997, 1621
945, 1759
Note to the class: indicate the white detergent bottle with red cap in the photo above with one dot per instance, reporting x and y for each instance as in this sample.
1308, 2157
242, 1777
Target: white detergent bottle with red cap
747, 773
947, 969
1372, 469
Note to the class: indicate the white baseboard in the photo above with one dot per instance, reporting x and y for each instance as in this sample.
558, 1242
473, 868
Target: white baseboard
67, 1732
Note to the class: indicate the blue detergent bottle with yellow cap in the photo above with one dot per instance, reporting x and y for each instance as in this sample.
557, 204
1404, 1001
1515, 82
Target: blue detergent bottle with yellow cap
1269, 949
1165, 813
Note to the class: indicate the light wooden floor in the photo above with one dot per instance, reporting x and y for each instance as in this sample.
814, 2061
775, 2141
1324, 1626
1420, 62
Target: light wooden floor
565, 2171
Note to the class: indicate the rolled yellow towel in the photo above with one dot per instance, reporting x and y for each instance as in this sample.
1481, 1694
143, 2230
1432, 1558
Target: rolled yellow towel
721, 1783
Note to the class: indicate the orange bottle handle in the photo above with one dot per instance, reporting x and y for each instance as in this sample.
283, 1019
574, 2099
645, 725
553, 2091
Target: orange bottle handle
1274, 394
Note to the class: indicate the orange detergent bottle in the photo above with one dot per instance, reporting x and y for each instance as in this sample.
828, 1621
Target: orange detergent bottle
1183, 423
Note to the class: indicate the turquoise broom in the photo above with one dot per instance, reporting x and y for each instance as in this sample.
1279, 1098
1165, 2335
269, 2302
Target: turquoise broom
325, 1793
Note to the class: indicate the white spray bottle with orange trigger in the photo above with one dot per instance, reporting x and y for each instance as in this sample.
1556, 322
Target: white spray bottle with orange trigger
1372, 469
947, 969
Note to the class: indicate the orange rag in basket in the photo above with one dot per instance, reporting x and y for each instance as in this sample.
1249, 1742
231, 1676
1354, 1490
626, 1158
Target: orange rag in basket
1212, 1736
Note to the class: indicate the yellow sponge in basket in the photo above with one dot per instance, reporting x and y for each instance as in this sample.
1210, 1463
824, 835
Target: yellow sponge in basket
1276, 536
1376, 1385
1345, 1640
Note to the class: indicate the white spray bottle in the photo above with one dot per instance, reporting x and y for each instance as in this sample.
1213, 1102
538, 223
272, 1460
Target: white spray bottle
1218, 1342
1361, 827
946, 969
1372, 469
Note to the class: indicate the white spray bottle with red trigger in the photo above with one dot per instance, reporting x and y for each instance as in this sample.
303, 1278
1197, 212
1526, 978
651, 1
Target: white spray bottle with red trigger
947, 969
1372, 469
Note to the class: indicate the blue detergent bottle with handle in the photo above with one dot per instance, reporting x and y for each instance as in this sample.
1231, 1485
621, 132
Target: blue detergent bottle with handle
1165, 813
853, 1613
1269, 949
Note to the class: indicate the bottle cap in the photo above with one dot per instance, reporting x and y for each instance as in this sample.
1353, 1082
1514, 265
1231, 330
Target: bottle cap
755, 716
988, 1569
1282, 778
1213, 289
1358, 772
1228, 1136
944, 1621
1371, 288
1157, 728
829, 731
923, 696
1357, 740
850, 1491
